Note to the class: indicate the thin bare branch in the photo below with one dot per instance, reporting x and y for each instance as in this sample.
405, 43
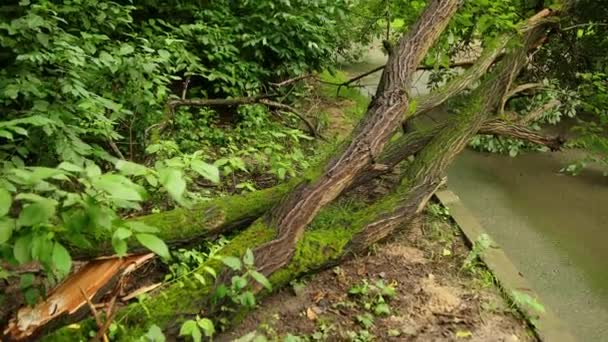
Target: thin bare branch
311, 128
92, 308
217, 102
505, 129
292, 80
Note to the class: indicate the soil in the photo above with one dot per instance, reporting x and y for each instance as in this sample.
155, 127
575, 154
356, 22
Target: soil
436, 299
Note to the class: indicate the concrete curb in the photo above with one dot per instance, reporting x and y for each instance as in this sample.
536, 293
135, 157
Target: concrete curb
546, 325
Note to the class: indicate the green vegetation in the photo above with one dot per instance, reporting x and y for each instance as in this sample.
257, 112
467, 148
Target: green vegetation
131, 124
85, 84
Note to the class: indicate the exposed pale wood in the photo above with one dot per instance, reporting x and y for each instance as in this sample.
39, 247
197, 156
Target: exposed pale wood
66, 303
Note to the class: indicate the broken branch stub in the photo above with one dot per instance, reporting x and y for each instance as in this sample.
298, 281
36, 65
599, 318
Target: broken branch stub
68, 301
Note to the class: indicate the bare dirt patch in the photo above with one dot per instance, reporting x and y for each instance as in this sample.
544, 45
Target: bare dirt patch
434, 298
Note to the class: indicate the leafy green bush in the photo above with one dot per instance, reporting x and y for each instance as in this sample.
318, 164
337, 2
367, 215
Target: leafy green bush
84, 83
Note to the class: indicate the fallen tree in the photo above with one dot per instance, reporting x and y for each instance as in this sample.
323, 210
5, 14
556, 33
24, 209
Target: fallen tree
207, 220
284, 248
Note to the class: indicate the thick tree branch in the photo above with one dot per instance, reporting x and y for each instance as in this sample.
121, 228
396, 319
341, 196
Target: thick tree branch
523, 87
502, 128
537, 113
368, 139
238, 101
488, 57
356, 78
478, 106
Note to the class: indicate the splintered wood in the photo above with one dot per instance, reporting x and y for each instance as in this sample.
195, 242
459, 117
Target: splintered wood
66, 301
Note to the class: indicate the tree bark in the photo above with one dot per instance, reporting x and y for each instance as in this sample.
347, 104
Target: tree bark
425, 174
384, 113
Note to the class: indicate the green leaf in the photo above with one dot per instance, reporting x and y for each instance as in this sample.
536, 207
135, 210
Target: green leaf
26, 280
151, 179
153, 243
92, 170
5, 201
211, 271
106, 58
164, 54
21, 249
36, 213
208, 171
120, 247
382, 309
42, 249
122, 234
6, 134
233, 262
43, 38
248, 258
70, 167
366, 320
32, 295
130, 168
101, 216
7, 226
19, 130
248, 300
239, 282
173, 181
61, 259
207, 325
126, 49
190, 328
200, 278
260, 278
11, 91
155, 334
118, 187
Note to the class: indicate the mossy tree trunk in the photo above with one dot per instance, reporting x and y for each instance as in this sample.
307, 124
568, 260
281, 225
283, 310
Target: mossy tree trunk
383, 117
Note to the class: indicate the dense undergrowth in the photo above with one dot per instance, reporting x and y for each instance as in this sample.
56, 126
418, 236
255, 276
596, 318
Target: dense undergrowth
84, 85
